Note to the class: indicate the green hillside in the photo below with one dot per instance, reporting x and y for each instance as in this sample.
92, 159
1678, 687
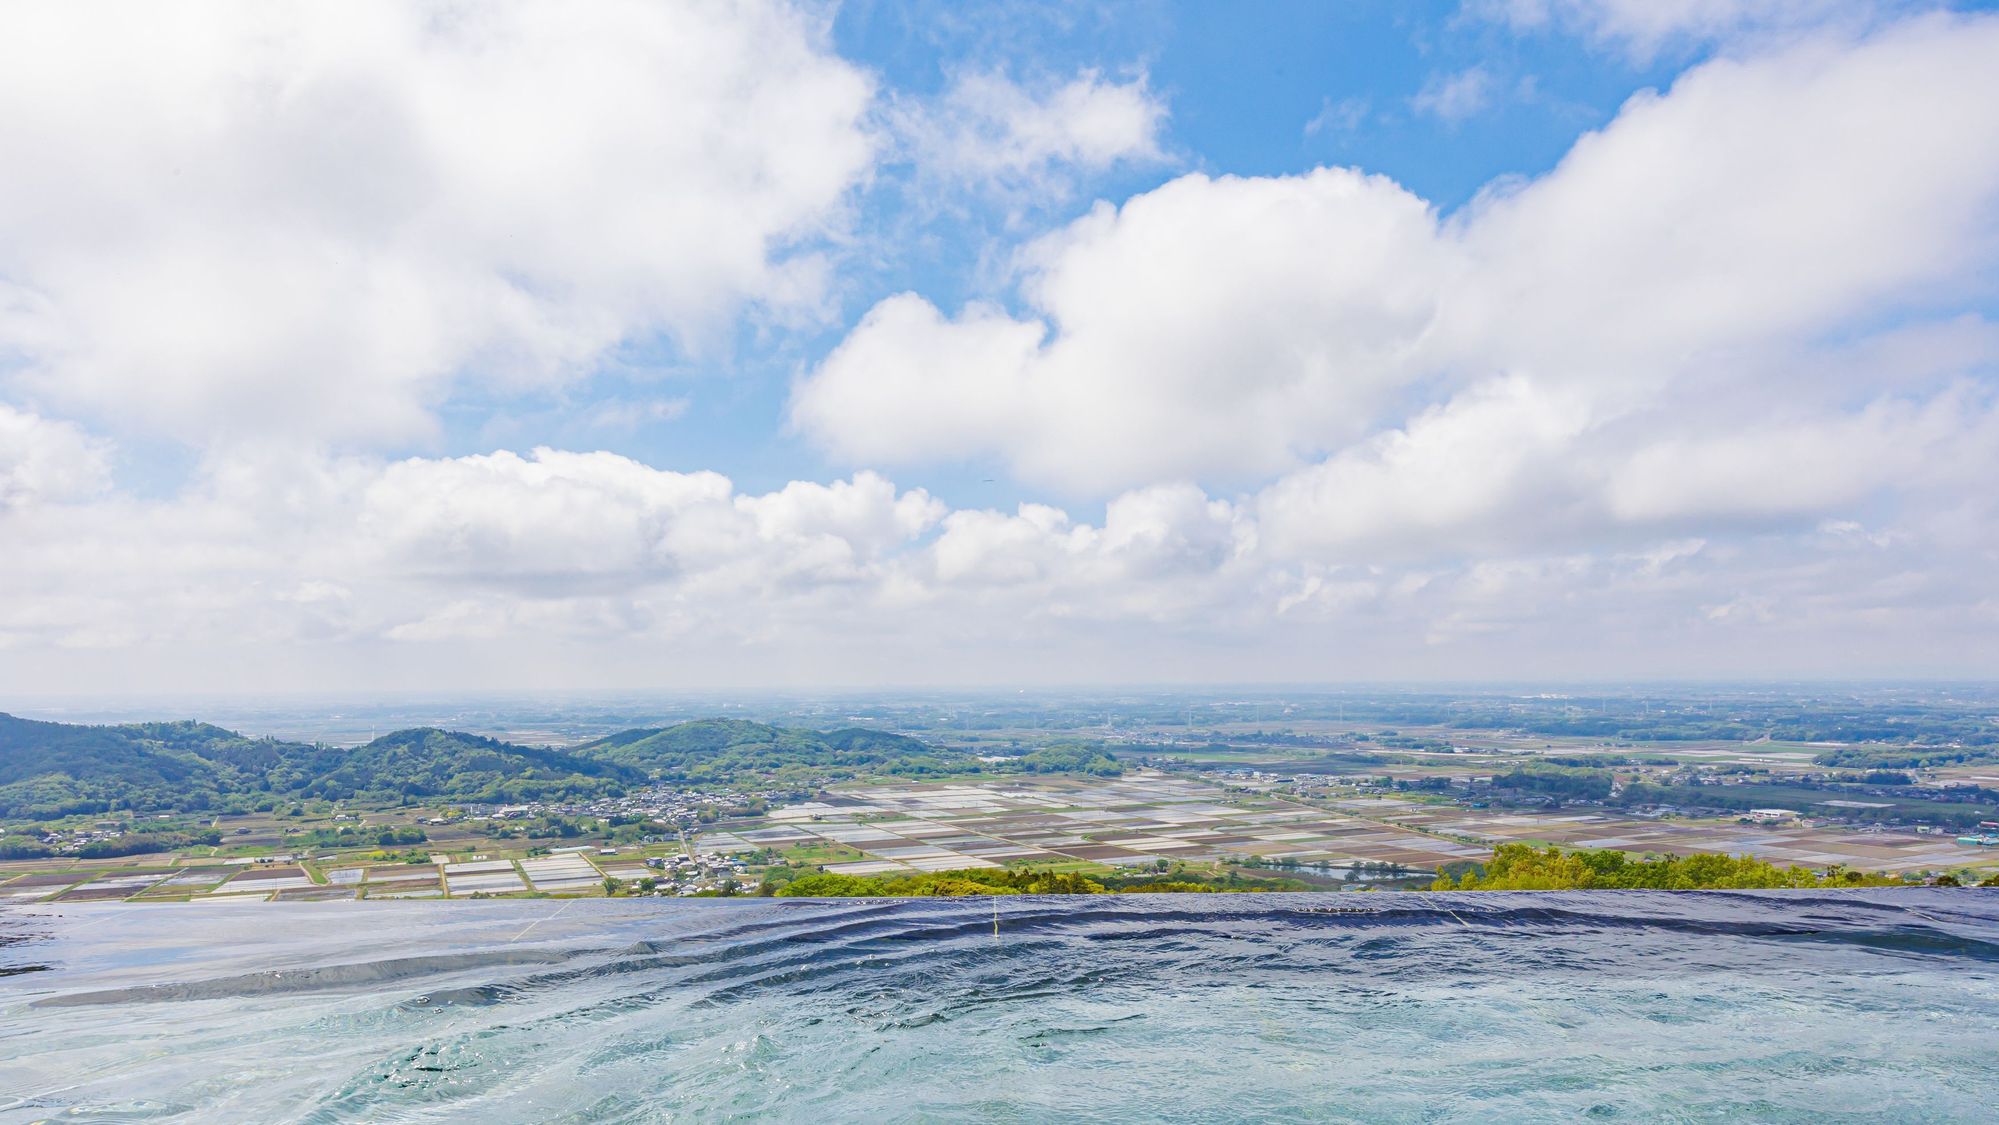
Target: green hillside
51, 770
58, 769
55, 769
728, 750
422, 763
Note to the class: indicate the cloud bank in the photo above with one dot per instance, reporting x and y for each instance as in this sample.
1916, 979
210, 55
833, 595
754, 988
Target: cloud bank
227, 220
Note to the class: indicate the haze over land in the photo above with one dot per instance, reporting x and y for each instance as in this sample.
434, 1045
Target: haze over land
900, 344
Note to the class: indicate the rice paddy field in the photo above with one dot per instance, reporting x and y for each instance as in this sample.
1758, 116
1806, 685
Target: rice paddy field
1137, 820
297, 882
1066, 823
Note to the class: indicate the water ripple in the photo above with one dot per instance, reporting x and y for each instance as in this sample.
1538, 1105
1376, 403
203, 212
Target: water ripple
1822, 1005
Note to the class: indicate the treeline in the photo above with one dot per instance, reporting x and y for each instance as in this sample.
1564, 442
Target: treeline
1931, 716
1906, 757
1890, 798
1941, 809
737, 752
1578, 784
1072, 757
733, 751
996, 881
1518, 867
130, 843
379, 836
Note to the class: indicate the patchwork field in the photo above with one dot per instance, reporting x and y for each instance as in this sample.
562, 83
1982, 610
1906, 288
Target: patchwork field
1138, 820
1885, 851
1127, 822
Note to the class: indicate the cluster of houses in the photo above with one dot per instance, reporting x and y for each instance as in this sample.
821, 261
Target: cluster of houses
664, 803
686, 875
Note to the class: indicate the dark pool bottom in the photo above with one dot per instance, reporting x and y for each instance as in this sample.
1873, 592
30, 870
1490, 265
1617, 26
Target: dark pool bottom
1864, 1005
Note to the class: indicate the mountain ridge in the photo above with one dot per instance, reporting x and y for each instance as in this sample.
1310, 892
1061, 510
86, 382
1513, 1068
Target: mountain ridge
51, 769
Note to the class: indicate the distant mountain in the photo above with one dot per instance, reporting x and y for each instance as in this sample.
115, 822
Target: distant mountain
56, 769
720, 750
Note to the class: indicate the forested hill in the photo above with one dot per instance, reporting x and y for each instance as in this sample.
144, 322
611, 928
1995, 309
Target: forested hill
56, 769
52, 769
720, 750
411, 765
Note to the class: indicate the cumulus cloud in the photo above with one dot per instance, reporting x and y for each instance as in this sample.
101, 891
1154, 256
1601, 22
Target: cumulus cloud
1213, 326
258, 218
363, 548
1487, 468
1577, 354
569, 569
1759, 203
1155, 548
1513, 463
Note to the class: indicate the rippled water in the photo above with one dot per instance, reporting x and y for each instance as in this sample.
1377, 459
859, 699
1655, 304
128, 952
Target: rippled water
1803, 1006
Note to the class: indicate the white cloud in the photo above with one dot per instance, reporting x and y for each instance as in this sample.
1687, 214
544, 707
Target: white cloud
1756, 205
1795, 469
1213, 326
1713, 393
987, 128
285, 549
1489, 468
1152, 540
1511, 465
1573, 355
505, 520
589, 569
234, 219
1455, 97
43, 460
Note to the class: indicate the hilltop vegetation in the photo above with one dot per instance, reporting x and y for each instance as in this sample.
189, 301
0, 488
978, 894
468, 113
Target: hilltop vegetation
995, 881
55, 769
1072, 757
1958, 808
1584, 784
1907, 757
1518, 867
50, 770
732, 750
414, 765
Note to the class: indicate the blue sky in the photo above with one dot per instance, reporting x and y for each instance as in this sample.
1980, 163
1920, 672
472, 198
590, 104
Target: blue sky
1243, 90
881, 343
1241, 96
1275, 91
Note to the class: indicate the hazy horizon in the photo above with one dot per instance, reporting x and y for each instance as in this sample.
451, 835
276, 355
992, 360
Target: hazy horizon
558, 717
